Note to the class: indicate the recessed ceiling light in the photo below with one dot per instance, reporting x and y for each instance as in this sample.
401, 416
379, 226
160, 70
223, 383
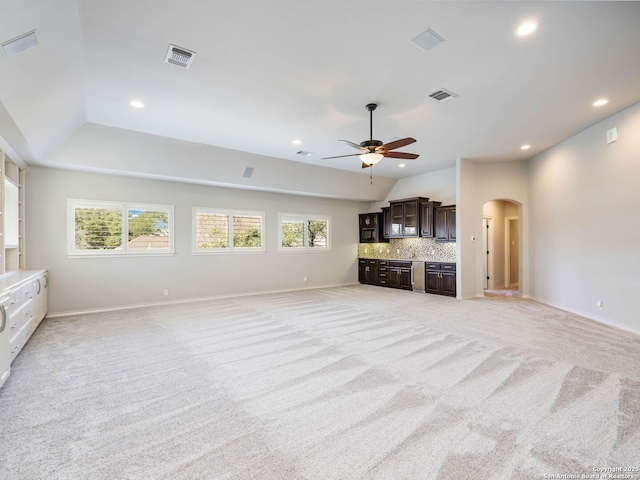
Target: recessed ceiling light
600, 102
297, 142
136, 104
402, 165
525, 147
526, 28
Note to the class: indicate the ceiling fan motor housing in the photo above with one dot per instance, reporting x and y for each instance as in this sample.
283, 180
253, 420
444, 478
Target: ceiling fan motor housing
371, 144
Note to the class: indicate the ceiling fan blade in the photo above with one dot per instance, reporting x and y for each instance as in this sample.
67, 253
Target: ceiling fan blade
398, 143
402, 155
342, 156
354, 145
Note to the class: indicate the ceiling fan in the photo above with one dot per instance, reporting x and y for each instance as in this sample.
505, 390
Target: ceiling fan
372, 151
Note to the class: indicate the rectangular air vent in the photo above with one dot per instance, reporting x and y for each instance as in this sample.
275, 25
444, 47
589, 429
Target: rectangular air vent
19, 44
442, 95
179, 56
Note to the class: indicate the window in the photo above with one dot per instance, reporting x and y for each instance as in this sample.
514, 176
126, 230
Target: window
110, 228
304, 233
230, 231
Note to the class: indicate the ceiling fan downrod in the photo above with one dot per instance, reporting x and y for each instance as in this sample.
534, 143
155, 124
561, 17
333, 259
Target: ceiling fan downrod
371, 107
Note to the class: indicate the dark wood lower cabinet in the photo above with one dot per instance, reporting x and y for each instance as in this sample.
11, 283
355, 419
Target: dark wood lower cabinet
368, 271
440, 278
400, 275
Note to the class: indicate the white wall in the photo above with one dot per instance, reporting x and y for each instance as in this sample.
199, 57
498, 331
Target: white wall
478, 183
585, 222
90, 283
439, 186
98, 148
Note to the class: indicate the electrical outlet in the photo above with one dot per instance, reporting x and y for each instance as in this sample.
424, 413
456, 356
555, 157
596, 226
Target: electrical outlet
166, 292
600, 304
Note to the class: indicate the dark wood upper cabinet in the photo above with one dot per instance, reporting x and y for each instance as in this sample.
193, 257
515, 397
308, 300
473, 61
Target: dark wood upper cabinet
426, 218
405, 217
445, 223
386, 222
371, 228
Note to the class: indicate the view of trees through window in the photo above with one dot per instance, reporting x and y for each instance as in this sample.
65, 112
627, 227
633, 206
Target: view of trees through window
98, 228
102, 228
304, 232
213, 232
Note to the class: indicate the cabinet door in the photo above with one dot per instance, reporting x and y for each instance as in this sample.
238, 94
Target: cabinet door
448, 283
386, 222
451, 220
394, 277
426, 219
440, 224
373, 273
396, 219
410, 213
405, 279
362, 268
432, 281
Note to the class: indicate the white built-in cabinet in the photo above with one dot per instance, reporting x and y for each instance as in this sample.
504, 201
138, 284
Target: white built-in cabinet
23, 293
12, 212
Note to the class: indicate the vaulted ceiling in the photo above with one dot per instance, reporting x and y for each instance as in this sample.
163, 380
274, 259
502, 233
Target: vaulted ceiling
266, 73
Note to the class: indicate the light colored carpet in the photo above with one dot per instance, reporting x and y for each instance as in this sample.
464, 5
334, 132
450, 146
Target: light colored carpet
346, 383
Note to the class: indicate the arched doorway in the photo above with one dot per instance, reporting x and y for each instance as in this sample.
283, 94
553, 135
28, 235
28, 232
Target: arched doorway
501, 243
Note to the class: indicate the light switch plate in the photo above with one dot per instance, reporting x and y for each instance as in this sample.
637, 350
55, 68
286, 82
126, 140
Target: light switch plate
612, 135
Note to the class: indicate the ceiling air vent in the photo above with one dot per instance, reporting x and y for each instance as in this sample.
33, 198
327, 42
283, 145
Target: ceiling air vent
19, 44
179, 56
442, 95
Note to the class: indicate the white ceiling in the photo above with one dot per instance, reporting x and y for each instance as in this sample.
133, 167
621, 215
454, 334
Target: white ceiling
268, 72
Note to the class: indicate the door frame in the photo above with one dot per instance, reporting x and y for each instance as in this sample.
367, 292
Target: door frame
507, 252
487, 245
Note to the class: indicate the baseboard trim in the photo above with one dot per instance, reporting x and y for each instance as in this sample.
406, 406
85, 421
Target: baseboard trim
602, 321
118, 308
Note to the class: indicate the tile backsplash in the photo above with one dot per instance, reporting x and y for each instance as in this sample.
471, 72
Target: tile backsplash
409, 248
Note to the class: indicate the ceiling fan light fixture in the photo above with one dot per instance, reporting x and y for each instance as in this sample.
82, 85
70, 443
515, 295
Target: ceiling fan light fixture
371, 158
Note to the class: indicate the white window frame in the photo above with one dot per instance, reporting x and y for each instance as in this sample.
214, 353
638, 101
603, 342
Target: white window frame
303, 218
230, 214
125, 207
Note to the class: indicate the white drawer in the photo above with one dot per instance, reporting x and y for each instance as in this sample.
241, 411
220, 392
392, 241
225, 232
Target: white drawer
15, 301
27, 291
21, 339
19, 319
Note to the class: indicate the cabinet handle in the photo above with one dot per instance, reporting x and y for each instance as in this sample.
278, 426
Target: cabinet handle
14, 325
3, 309
46, 281
28, 332
39, 287
14, 301
15, 349
27, 313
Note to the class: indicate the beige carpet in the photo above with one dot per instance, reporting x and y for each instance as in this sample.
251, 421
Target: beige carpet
347, 383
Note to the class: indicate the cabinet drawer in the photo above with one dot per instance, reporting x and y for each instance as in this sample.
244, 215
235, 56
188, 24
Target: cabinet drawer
24, 335
19, 320
448, 266
399, 264
27, 291
15, 301
432, 265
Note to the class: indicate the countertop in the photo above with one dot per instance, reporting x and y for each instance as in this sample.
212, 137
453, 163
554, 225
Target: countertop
9, 280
